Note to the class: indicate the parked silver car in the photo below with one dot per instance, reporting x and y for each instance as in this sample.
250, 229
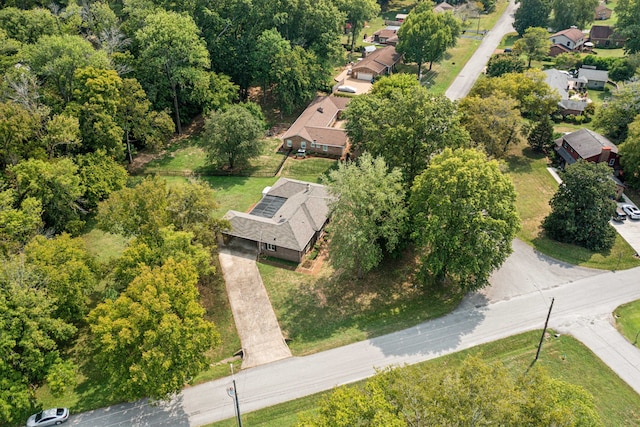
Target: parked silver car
48, 417
631, 211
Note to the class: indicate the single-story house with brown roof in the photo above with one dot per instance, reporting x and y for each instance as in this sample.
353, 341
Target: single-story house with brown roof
443, 7
388, 35
314, 130
587, 145
379, 63
571, 38
605, 36
602, 12
287, 221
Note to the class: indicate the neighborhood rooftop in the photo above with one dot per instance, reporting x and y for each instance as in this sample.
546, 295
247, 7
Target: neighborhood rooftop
314, 124
588, 143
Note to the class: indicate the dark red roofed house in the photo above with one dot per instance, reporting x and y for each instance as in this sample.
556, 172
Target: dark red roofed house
379, 63
314, 130
386, 35
605, 36
587, 145
602, 12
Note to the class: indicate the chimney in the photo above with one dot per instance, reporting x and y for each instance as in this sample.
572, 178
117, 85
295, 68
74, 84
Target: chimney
605, 154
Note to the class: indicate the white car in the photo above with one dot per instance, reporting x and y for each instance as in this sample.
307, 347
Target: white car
48, 417
349, 89
631, 211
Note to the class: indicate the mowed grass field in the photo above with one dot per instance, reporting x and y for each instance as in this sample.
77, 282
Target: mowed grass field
564, 358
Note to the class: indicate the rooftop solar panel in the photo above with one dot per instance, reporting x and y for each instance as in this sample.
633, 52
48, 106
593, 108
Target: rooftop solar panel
268, 206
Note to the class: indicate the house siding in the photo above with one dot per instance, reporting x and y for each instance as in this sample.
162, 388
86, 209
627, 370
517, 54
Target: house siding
282, 253
296, 144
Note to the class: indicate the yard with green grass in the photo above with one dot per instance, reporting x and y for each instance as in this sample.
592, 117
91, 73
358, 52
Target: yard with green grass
564, 358
628, 321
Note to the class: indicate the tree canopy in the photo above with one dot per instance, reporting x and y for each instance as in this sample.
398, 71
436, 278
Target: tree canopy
368, 212
566, 13
474, 393
582, 207
425, 35
628, 13
534, 43
504, 63
630, 154
153, 338
464, 217
615, 115
419, 124
531, 13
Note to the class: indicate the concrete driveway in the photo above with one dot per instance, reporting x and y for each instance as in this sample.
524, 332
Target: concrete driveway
629, 229
257, 325
361, 86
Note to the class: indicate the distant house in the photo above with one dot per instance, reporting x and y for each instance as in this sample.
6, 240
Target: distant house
605, 36
314, 129
400, 17
287, 221
388, 35
602, 12
596, 79
366, 50
443, 7
379, 63
587, 145
571, 38
563, 82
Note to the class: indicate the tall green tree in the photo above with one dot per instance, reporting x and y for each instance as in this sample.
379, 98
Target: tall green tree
534, 43
628, 13
417, 123
504, 63
615, 115
540, 137
100, 176
298, 76
531, 13
368, 213
630, 154
30, 340
28, 25
572, 12
170, 46
464, 218
582, 207
231, 137
493, 122
19, 134
62, 135
56, 185
20, 221
358, 12
153, 338
55, 60
69, 273
425, 35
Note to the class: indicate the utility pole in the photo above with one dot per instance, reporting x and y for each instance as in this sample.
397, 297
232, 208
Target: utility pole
544, 331
233, 393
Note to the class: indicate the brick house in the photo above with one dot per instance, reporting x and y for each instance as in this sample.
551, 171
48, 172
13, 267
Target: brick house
605, 36
587, 145
314, 130
379, 63
287, 221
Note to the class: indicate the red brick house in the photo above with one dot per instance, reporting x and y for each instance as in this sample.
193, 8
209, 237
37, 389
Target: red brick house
587, 145
605, 36
314, 130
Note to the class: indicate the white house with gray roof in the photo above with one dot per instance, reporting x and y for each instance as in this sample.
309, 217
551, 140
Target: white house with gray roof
596, 79
287, 222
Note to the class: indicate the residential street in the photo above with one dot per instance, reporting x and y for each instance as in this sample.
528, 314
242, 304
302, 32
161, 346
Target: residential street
582, 307
473, 68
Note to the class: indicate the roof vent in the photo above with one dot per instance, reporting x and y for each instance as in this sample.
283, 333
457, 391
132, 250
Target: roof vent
320, 110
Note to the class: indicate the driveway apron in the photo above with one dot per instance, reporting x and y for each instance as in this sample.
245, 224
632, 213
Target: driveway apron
256, 323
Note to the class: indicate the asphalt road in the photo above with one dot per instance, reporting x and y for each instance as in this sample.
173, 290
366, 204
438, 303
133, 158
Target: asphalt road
584, 300
474, 67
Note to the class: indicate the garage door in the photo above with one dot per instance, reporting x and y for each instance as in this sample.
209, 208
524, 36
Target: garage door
365, 76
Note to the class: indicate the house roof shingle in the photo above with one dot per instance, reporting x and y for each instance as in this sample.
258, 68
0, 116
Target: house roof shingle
572, 34
587, 143
320, 114
593, 75
293, 225
380, 59
443, 7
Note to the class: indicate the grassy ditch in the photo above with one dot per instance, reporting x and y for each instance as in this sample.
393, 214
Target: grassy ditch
628, 321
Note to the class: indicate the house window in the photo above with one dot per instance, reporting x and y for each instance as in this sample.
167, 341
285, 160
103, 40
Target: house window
270, 247
289, 144
611, 162
303, 144
313, 144
565, 145
325, 148
568, 44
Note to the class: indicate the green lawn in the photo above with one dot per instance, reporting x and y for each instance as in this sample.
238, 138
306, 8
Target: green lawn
534, 188
628, 321
564, 357
309, 169
332, 309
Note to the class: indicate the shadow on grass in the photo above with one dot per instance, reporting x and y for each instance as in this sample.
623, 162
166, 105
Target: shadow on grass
564, 253
523, 163
383, 301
